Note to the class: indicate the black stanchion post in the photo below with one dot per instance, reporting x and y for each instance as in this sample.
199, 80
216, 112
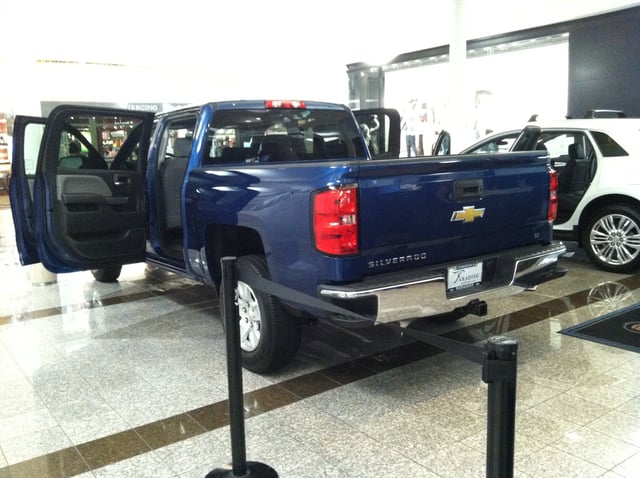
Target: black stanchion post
499, 372
239, 467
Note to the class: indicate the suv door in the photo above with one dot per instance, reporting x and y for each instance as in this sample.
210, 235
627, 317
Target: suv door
571, 154
88, 208
381, 130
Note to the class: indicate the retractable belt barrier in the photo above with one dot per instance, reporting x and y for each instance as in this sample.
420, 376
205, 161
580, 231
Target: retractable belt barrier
498, 358
239, 467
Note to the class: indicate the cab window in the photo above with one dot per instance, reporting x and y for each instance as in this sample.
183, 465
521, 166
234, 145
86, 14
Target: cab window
278, 135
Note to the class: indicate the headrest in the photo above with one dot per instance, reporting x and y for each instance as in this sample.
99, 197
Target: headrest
576, 151
181, 146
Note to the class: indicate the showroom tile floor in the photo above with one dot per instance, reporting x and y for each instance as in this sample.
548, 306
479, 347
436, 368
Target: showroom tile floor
129, 380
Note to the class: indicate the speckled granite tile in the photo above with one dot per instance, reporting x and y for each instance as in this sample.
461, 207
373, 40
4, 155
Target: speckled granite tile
553, 463
30, 445
629, 468
143, 466
597, 448
571, 408
618, 425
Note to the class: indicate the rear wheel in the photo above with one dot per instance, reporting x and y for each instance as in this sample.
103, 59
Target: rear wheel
269, 337
611, 238
107, 274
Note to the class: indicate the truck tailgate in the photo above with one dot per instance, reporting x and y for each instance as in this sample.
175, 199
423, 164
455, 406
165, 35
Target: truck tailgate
436, 210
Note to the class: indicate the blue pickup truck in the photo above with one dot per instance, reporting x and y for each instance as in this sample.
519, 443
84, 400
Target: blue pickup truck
299, 194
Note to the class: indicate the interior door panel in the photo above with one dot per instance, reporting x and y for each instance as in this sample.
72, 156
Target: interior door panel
101, 212
89, 206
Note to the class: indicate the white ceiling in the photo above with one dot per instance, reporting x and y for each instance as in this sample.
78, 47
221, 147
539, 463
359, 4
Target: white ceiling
277, 47
146, 32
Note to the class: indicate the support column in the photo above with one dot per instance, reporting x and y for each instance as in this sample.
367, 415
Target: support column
457, 95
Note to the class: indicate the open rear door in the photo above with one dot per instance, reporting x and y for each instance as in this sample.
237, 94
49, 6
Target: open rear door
27, 136
89, 199
381, 130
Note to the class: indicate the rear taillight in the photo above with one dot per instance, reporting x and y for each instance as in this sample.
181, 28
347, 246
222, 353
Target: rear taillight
553, 196
287, 104
335, 221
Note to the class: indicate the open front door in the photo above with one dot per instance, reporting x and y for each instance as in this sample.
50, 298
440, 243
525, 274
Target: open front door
27, 136
89, 199
381, 130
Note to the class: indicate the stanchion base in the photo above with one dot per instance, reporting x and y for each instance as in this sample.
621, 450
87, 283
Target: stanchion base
254, 470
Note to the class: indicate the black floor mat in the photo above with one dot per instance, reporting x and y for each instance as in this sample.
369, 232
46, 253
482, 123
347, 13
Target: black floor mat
618, 329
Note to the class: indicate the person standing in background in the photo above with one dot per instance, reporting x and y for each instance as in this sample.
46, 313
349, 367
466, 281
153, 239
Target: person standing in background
409, 126
373, 134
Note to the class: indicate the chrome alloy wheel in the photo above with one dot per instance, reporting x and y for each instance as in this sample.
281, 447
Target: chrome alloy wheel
615, 239
250, 318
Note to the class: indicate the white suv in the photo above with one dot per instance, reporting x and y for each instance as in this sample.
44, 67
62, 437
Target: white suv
598, 164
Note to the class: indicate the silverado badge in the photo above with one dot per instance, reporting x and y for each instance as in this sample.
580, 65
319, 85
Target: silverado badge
468, 214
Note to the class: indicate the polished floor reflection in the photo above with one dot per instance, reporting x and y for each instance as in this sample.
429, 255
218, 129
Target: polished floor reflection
129, 380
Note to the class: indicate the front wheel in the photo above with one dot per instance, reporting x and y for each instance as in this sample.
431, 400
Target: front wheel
269, 337
611, 238
107, 274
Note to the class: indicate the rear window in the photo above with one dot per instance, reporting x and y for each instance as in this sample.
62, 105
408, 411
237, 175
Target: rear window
607, 145
277, 135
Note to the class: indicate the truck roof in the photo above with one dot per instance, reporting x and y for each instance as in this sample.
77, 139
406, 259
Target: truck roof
260, 104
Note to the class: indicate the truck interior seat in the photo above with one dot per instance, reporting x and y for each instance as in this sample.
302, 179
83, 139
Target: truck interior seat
276, 148
172, 175
337, 149
233, 155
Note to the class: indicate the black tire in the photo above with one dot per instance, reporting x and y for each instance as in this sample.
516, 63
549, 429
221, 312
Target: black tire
611, 238
107, 274
269, 336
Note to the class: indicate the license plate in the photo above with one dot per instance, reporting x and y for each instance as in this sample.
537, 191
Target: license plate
464, 276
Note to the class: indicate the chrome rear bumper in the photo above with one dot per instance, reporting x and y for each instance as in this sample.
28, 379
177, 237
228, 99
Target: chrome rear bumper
423, 292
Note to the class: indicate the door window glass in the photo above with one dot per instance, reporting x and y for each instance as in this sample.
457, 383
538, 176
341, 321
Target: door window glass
100, 142
32, 139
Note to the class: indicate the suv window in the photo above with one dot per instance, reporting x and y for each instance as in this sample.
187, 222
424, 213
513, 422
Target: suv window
500, 144
607, 145
563, 145
275, 135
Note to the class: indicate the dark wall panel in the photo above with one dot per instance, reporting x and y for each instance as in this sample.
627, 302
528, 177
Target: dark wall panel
604, 63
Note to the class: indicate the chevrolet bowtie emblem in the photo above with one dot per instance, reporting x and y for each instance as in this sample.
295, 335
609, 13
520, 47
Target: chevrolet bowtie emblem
468, 214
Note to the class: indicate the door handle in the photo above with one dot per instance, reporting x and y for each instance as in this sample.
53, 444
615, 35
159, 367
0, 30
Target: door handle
466, 189
121, 180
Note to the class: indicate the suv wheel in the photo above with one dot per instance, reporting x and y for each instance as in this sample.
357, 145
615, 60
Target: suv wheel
611, 238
